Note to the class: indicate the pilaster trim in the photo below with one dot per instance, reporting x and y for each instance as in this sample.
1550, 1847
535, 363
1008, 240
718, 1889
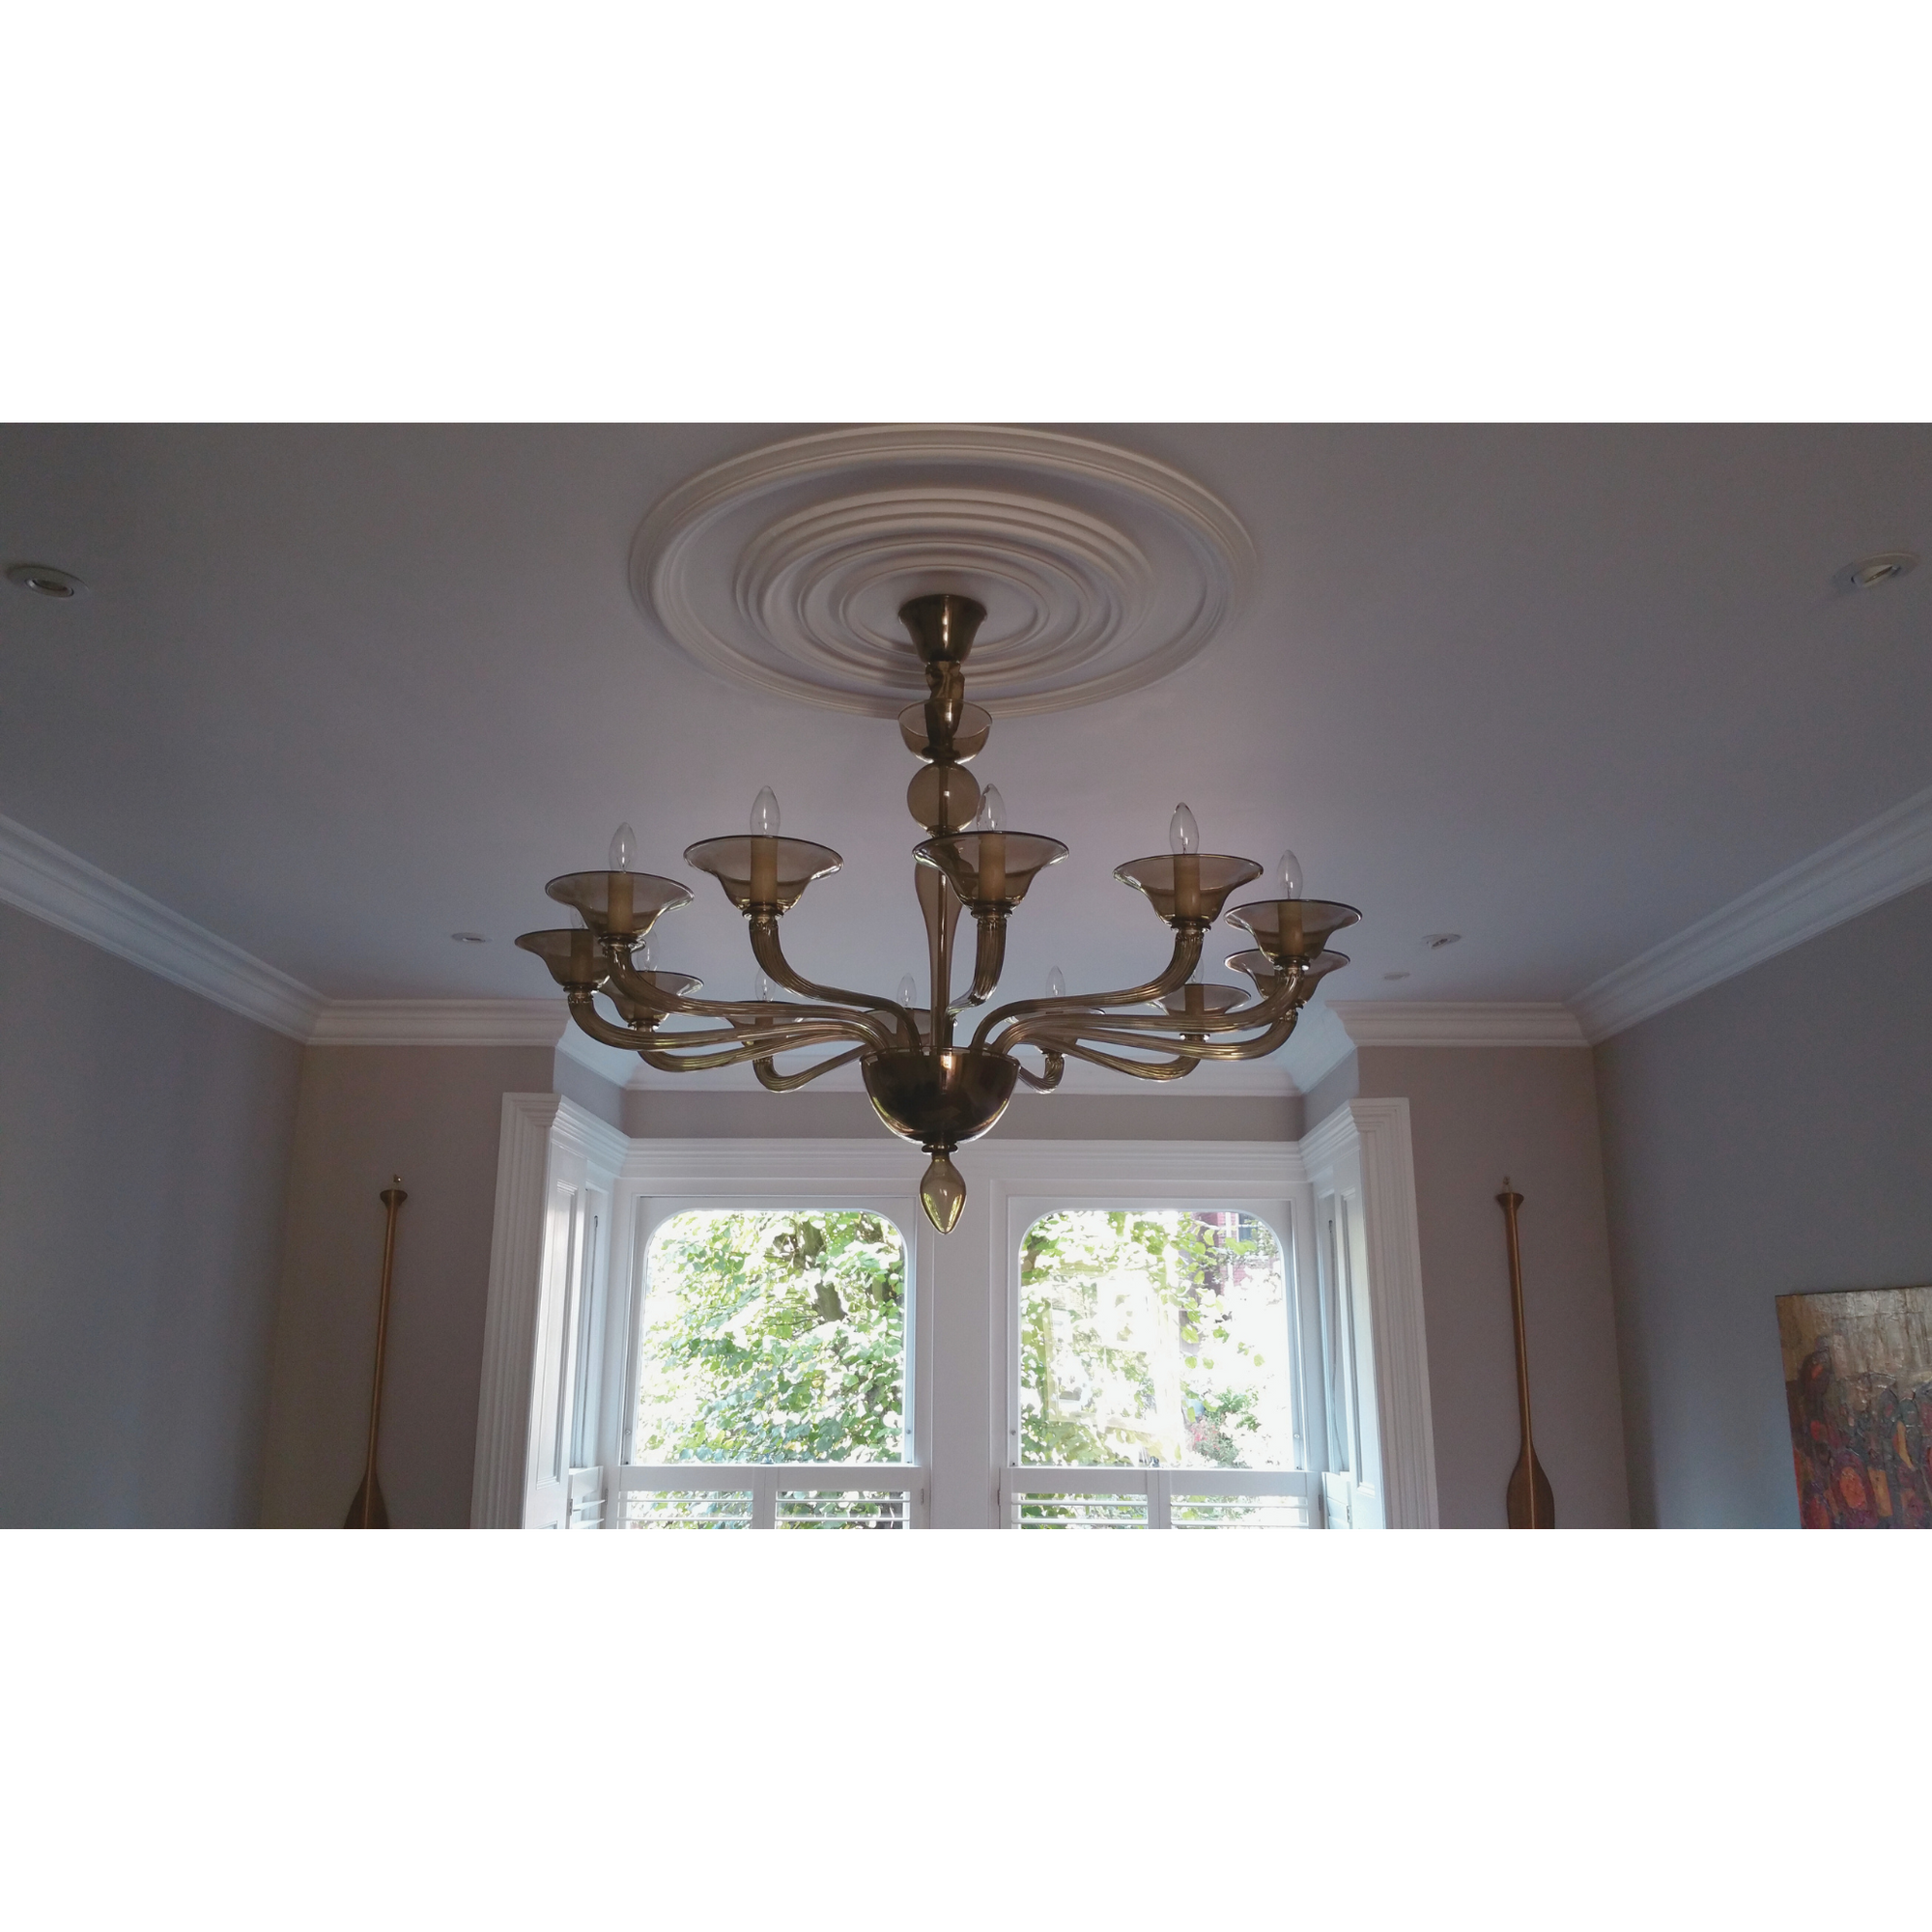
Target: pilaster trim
510, 1317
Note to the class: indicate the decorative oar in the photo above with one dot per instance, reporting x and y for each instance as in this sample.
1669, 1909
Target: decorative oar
369, 1511
1531, 1504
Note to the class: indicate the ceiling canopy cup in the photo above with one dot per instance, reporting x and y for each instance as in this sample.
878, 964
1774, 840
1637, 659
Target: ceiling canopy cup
924, 1084
1099, 570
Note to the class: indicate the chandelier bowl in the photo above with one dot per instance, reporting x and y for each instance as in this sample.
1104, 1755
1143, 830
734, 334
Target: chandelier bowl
1292, 929
939, 1099
622, 904
1164, 879
735, 861
990, 869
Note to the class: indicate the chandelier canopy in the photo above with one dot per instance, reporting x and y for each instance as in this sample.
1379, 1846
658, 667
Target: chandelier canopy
924, 1084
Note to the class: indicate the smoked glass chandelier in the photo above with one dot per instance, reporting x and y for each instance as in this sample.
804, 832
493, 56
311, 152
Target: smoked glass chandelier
926, 1085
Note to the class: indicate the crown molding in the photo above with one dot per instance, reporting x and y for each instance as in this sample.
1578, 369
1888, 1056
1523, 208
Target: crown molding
1890, 855
51, 883
1457, 1023
439, 1023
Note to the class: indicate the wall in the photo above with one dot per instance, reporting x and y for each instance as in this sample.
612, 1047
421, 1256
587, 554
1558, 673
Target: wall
144, 1142
1772, 1135
432, 1114
1530, 1113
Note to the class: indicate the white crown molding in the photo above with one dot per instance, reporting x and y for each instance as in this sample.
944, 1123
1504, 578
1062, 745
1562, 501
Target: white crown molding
1890, 855
44, 879
1456, 1023
439, 1023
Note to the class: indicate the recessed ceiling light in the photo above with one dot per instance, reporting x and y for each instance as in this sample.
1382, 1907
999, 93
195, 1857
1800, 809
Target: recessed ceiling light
1395, 975
1436, 941
45, 581
468, 939
1871, 571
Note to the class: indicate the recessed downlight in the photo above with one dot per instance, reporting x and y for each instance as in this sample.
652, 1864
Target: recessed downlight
468, 939
45, 581
1869, 572
1395, 975
1436, 941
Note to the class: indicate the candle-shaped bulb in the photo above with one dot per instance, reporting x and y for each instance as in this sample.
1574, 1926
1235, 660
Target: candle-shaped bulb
643, 958
1056, 985
1290, 876
623, 848
763, 989
1183, 835
908, 991
1199, 977
992, 811
765, 814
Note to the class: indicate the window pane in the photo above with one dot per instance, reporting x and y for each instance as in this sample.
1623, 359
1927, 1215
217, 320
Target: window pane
842, 1509
688, 1509
1155, 1338
773, 1338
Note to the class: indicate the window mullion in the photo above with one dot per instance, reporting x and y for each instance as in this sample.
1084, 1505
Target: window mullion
1157, 1504
765, 1498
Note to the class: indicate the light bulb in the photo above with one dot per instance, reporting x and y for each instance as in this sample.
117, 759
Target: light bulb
1199, 977
765, 814
623, 848
1183, 835
992, 814
1290, 876
908, 991
1056, 985
643, 959
763, 989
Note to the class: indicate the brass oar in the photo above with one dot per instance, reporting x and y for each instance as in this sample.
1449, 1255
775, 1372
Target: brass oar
1531, 1504
369, 1511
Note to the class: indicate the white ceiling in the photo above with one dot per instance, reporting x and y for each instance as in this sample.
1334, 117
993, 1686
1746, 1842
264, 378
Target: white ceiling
338, 692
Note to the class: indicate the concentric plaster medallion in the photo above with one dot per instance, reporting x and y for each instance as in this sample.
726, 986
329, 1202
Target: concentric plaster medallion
1101, 570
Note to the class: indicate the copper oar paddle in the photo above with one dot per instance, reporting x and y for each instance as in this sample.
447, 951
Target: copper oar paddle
369, 1511
1531, 1505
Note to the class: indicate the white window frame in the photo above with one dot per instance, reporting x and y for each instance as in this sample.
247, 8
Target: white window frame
556, 1163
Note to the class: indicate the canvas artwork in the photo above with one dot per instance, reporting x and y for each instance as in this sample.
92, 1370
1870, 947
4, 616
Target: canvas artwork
1858, 1382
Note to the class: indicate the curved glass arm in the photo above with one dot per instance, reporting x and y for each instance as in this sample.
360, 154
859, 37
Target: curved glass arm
1187, 945
788, 1083
772, 1032
1257, 1048
770, 954
754, 1050
1075, 1020
1048, 1078
637, 987
1141, 1070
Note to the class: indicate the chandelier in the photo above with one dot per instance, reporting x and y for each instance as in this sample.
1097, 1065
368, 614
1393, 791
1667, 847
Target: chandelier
926, 1085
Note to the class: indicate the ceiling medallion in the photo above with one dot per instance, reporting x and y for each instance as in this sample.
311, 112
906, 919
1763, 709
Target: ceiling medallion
926, 1082
1099, 570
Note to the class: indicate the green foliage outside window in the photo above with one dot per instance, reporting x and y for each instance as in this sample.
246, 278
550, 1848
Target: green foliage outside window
773, 1337
1154, 1337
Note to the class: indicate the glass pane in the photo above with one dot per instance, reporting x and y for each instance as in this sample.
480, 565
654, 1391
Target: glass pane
1155, 1338
773, 1337
842, 1509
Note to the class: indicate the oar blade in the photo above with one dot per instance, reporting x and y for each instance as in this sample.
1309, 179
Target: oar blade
1531, 1503
368, 1511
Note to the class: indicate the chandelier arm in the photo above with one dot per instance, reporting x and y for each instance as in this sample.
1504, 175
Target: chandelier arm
1141, 1070
786, 1083
1189, 1045
763, 928
637, 987
761, 1034
1260, 1014
1187, 944
989, 958
754, 1050
1048, 1078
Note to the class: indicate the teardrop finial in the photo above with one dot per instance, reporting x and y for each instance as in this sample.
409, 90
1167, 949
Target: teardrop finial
942, 1194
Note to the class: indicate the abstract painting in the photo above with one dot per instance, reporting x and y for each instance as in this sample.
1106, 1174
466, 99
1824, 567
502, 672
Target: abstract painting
1858, 1382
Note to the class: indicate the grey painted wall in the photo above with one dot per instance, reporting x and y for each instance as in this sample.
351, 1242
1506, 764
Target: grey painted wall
432, 1114
144, 1147
1773, 1134
1530, 1113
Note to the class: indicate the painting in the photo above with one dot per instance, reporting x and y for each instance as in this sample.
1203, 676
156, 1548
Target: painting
1857, 1383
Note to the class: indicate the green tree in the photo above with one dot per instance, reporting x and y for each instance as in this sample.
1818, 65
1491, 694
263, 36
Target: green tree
1091, 1381
774, 1338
